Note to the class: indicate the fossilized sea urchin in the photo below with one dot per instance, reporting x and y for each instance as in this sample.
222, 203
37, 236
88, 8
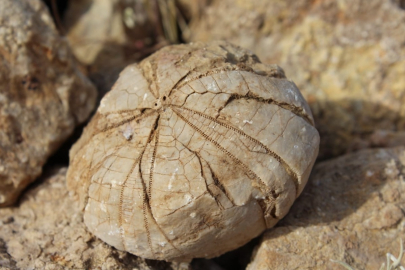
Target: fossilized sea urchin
195, 151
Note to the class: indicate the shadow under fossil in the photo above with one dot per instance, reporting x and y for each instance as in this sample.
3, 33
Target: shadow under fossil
348, 125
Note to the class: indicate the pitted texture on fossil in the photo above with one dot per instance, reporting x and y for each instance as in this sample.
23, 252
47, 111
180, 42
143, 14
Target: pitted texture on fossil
194, 152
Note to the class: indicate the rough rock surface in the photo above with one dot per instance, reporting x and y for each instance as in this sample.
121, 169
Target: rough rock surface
347, 57
194, 152
352, 210
46, 231
108, 35
42, 94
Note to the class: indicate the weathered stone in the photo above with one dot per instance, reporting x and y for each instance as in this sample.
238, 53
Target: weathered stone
46, 231
108, 35
42, 94
352, 210
194, 152
347, 57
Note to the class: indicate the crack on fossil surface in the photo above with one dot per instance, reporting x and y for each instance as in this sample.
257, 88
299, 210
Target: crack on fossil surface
294, 109
218, 183
186, 80
176, 86
136, 117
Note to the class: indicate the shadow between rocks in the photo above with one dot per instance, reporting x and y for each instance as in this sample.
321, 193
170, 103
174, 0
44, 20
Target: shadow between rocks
108, 64
237, 259
112, 59
400, 3
348, 125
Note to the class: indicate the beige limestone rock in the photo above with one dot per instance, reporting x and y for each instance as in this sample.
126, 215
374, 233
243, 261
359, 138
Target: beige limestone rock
42, 94
108, 35
46, 231
347, 58
194, 152
352, 210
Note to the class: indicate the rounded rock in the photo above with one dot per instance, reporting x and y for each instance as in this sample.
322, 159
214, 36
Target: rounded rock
195, 151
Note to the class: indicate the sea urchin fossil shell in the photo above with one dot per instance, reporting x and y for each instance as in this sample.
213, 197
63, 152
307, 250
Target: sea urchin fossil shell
194, 151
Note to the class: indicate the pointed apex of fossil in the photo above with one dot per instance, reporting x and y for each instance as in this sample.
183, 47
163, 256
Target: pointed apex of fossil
194, 152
